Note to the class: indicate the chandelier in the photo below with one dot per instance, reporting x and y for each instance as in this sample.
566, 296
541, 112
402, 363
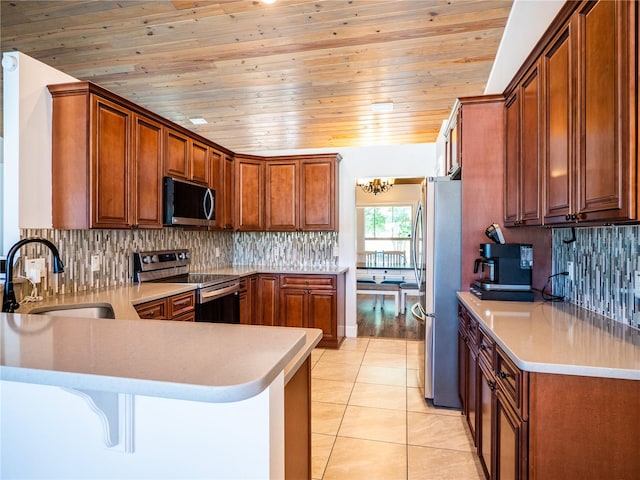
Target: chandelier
376, 186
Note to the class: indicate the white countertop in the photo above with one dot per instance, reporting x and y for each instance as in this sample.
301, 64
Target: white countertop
558, 337
121, 299
193, 361
186, 360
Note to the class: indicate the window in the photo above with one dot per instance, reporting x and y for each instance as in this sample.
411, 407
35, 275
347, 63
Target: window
388, 228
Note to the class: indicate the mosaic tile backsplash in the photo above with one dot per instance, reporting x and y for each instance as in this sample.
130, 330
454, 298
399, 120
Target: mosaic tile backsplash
115, 249
605, 260
285, 249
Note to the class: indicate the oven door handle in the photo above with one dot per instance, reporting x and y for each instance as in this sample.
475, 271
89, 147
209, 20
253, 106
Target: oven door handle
221, 292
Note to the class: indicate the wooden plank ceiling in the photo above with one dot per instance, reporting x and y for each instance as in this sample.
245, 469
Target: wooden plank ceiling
292, 75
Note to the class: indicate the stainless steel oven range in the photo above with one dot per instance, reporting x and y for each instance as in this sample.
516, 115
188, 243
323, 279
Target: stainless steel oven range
217, 295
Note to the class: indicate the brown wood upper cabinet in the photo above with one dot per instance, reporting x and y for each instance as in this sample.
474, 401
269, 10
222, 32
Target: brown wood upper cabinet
586, 135
249, 186
221, 176
590, 70
186, 158
301, 193
453, 139
289, 193
522, 153
106, 161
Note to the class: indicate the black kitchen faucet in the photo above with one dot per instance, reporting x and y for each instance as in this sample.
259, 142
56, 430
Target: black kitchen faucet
9, 303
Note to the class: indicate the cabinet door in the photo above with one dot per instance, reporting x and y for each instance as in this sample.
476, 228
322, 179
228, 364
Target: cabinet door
529, 152
215, 183
293, 307
486, 388
512, 149
281, 195
176, 151
472, 393
267, 306
111, 153
249, 194
605, 106
510, 442
245, 307
248, 300
199, 163
557, 128
463, 366
318, 194
146, 178
322, 306
454, 140
228, 194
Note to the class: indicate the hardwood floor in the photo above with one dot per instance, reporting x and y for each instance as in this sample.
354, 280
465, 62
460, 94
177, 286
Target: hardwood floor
381, 322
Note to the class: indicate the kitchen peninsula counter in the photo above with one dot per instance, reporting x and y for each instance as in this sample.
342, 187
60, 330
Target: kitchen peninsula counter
178, 399
559, 338
206, 362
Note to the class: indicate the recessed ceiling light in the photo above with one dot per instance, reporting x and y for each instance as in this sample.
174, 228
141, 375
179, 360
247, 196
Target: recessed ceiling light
268, 2
198, 121
382, 107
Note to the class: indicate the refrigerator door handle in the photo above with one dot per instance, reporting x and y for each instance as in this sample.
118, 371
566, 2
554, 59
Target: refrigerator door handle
418, 313
416, 224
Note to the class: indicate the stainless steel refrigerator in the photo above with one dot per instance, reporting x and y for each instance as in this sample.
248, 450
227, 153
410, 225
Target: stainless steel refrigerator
437, 263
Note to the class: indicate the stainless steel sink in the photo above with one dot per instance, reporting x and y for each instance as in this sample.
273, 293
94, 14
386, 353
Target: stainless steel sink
84, 310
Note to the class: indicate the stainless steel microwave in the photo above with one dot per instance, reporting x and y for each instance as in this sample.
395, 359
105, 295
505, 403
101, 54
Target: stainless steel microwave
188, 204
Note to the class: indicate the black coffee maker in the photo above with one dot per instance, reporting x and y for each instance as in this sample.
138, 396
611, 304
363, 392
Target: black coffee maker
505, 272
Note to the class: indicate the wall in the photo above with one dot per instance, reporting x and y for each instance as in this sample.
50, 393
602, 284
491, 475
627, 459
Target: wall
362, 162
27, 145
605, 262
527, 21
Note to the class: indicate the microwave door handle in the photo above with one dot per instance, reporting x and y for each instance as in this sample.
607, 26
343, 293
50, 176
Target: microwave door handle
208, 211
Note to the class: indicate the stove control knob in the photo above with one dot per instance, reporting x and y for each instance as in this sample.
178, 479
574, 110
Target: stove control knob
155, 259
181, 256
146, 259
187, 255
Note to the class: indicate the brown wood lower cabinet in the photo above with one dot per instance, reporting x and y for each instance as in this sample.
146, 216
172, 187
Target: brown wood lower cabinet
541, 426
179, 307
248, 289
314, 301
267, 299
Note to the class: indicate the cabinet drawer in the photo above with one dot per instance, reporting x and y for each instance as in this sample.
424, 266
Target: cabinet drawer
512, 381
155, 310
486, 347
182, 303
308, 281
186, 317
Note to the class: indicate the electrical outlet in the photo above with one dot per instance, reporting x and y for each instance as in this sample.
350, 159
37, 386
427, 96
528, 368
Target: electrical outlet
34, 269
217, 252
570, 270
636, 284
95, 263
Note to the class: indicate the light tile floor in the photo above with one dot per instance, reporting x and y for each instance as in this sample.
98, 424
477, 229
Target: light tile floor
369, 420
